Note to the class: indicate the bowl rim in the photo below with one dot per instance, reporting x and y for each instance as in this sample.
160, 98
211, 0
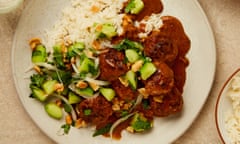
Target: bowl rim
218, 99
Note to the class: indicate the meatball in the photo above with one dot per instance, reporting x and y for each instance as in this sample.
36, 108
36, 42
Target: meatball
171, 104
160, 48
174, 30
100, 110
112, 65
125, 93
161, 82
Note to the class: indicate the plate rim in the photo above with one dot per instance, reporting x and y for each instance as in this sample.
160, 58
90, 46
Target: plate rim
213, 46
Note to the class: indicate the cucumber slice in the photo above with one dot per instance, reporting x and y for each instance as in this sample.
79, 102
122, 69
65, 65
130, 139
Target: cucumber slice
86, 65
132, 79
139, 123
75, 49
57, 49
108, 93
49, 86
53, 110
79, 45
147, 70
105, 30
39, 94
109, 30
131, 55
58, 56
73, 98
86, 92
134, 6
39, 54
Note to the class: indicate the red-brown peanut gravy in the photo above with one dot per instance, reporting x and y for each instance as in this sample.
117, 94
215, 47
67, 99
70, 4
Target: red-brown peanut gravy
150, 7
174, 46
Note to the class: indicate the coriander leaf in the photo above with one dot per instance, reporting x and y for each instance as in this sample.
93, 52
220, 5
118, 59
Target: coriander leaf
37, 80
66, 128
67, 108
103, 130
130, 6
87, 112
128, 44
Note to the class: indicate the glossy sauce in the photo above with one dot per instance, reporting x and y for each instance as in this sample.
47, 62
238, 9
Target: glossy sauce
167, 47
172, 33
150, 7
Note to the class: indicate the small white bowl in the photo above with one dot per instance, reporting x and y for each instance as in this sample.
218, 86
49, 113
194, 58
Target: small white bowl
223, 106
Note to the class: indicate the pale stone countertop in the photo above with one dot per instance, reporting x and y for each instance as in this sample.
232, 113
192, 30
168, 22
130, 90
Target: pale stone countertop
224, 16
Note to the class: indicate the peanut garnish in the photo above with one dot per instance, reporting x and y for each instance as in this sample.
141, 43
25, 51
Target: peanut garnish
94, 86
137, 65
130, 129
80, 123
59, 87
34, 42
37, 69
143, 92
158, 99
96, 45
95, 9
81, 84
123, 81
68, 119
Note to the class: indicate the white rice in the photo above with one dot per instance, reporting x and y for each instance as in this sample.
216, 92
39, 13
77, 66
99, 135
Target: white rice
77, 20
232, 120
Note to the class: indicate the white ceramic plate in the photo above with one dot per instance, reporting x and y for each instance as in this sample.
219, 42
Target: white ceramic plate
224, 106
41, 15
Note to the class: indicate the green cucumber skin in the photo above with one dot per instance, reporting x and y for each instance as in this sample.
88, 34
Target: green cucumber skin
39, 94
87, 91
147, 70
39, 54
132, 79
108, 93
73, 98
132, 55
49, 86
139, 5
53, 110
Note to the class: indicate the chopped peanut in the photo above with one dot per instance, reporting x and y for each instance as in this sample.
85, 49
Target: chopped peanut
59, 103
59, 87
137, 65
158, 99
73, 60
96, 45
37, 69
64, 49
127, 106
95, 9
99, 27
94, 86
143, 92
124, 81
115, 107
121, 103
126, 21
89, 53
68, 119
129, 65
34, 42
130, 129
68, 42
68, 66
82, 84
80, 123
